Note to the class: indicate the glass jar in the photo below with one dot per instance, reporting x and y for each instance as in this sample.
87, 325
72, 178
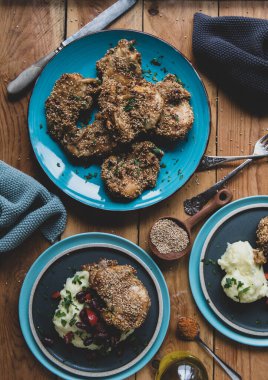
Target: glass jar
181, 365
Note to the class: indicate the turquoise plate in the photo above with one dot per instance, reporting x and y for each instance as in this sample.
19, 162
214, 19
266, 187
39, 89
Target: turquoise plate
180, 162
194, 273
68, 245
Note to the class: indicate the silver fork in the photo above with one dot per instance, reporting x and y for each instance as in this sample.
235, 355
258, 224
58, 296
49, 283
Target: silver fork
260, 151
193, 205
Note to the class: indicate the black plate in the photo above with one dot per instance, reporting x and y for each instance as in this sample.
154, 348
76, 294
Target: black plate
249, 318
43, 307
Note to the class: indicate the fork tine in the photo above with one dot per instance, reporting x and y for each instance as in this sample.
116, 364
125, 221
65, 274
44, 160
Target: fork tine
264, 139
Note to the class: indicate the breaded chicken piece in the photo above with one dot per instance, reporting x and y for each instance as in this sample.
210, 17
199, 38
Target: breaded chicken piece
129, 174
127, 300
71, 97
262, 236
177, 115
130, 109
122, 63
92, 141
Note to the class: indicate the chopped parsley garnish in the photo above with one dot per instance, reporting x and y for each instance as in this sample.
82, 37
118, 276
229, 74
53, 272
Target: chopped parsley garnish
209, 261
157, 151
176, 117
229, 283
163, 165
240, 283
136, 162
89, 176
131, 47
67, 301
60, 314
77, 279
131, 103
63, 322
243, 291
155, 62
73, 320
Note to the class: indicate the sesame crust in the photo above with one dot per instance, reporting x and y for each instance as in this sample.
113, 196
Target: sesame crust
177, 115
127, 300
127, 175
262, 235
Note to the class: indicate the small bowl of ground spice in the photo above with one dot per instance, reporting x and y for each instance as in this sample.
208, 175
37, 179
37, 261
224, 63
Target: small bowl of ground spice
170, 238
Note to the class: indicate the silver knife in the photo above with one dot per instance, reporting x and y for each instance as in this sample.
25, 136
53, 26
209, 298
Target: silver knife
29, 75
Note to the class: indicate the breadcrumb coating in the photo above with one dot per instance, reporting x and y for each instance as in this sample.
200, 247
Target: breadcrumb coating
127, 175
262, 235
127, 300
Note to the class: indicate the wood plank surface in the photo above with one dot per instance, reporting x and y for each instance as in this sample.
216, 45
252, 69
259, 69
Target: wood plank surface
32, 28
29, 30
238, 130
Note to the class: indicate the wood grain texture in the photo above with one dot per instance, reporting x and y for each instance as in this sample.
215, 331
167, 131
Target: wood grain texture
237, 132
30, 29
172, 21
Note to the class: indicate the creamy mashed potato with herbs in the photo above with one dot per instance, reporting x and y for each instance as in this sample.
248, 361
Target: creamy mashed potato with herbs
67, 314
244, 281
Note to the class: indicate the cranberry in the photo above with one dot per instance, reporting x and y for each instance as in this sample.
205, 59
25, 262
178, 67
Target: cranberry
91, 317
83, 316
95, 304
100, 327
88, 341
83, 296
87, 297
68, 337
55, 295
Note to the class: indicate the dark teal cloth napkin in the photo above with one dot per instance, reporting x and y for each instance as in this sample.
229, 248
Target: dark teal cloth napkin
25, 206
233, 50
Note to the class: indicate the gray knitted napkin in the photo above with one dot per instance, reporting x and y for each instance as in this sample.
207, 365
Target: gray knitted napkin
25, 206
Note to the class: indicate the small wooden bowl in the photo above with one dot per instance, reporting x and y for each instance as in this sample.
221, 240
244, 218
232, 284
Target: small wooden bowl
223, 197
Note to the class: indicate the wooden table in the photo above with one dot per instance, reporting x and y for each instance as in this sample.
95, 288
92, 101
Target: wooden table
30, 29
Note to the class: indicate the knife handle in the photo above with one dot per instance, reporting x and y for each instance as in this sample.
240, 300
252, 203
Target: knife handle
29, 75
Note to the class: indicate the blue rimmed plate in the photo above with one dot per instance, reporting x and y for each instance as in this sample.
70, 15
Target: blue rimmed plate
51, 265
227, 323
180, 162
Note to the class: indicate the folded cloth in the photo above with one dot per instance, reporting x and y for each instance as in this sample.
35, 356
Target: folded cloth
25, 206
234, 51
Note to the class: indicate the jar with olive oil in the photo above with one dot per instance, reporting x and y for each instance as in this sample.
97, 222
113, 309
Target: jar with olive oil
181, 365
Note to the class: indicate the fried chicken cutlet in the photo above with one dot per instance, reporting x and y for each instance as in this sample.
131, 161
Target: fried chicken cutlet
130, 104
130, 109
120, 63
72, 97
177, 115
126, 298
92, 141
127, 175
262, 236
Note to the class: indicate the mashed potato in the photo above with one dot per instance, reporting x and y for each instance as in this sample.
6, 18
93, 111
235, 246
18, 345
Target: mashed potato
244, 281
66, 316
